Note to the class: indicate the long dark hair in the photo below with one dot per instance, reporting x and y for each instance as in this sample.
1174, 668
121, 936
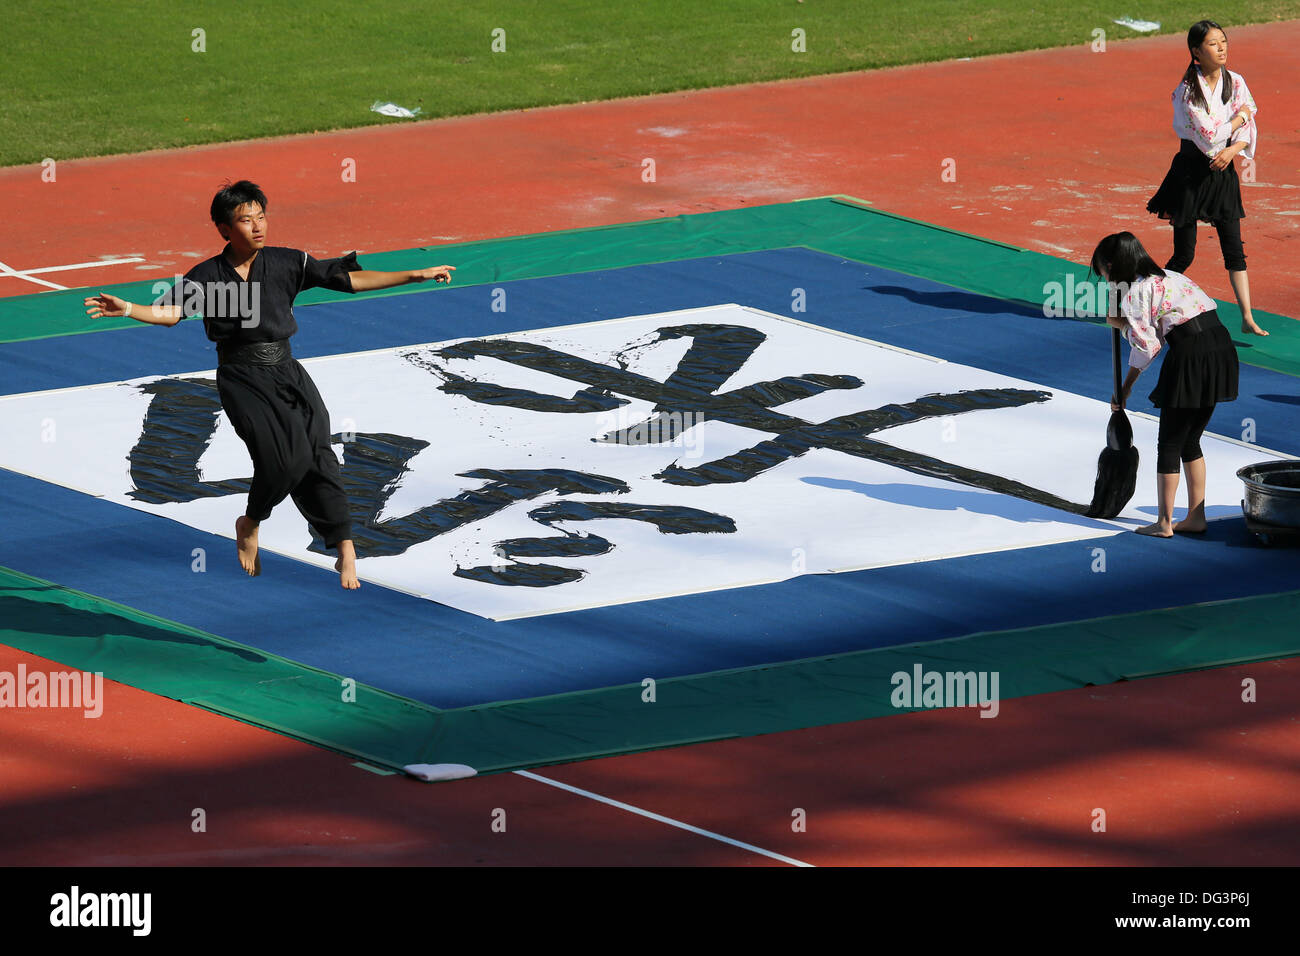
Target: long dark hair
1195, 37
1124, 258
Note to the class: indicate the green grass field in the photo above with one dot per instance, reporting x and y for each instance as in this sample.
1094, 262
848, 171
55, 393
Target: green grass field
85, 79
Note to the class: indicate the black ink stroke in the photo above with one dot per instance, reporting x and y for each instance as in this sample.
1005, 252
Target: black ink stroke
177, 429
669, 519
688, 396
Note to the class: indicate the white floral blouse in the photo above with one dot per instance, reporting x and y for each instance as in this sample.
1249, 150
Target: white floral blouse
1154, 305
1211, 130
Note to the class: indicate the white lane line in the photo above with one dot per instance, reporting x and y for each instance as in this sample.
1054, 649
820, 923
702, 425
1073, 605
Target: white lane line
29, 273
82, 265
662, 819
6, 271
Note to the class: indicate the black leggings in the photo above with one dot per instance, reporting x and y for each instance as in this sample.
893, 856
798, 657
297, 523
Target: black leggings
1180, 436
1234, 255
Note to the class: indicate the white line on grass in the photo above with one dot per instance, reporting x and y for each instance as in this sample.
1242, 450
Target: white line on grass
662, 819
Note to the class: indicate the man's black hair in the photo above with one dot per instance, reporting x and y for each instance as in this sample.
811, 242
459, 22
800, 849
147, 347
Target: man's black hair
1124, 258
232, 196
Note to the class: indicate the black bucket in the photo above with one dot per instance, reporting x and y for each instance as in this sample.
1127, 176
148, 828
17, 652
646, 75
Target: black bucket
1272, 493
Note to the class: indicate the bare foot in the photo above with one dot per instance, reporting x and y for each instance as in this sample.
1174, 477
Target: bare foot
1157, 530
1251, 328
1190, 526
346, 566
250, 559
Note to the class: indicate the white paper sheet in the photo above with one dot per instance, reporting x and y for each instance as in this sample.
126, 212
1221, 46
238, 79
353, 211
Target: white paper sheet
823, 511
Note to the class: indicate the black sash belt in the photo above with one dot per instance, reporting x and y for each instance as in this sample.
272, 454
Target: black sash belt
254, 353
1194, 326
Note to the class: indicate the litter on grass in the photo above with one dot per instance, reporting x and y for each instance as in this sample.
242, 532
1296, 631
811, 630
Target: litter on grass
392, 109
1142, 26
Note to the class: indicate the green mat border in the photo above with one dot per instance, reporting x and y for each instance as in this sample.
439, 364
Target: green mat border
81, 631
184, 663
880, 238
89, 633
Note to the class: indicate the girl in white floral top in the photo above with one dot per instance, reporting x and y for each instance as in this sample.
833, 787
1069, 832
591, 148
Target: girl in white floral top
1214, 116
1164, 311
1152, 306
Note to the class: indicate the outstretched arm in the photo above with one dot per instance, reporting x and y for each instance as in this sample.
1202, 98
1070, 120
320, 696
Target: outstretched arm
365, 280
105, 306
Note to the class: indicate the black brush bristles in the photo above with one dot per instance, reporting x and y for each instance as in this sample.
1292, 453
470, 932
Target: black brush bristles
1117, 469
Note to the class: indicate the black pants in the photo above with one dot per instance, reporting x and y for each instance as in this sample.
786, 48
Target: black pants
1229, 230
281, 418
1180, 437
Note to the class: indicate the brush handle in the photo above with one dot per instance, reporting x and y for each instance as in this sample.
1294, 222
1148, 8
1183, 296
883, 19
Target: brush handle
1114, 355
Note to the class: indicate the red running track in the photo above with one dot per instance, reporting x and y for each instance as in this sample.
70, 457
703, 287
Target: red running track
1187, 772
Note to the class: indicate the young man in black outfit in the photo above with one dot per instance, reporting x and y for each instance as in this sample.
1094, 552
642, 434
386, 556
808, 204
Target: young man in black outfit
245, 297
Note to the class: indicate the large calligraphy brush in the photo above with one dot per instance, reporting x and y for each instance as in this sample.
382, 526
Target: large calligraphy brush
1117, 466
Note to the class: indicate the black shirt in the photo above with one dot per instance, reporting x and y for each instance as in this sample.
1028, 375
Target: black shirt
260, 309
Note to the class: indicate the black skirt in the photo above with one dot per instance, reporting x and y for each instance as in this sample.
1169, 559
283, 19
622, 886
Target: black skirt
1199, 367
1193, 191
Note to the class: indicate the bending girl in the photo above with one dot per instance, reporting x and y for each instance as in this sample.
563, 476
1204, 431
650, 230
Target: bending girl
1163, 310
